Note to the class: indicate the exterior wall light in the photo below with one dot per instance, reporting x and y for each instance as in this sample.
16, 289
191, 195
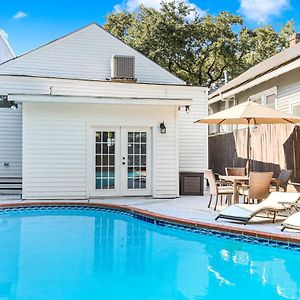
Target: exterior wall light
13, 105
4, 102
163, 128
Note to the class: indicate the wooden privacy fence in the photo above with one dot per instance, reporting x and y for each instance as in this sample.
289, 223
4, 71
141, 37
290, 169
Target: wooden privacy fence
273, 147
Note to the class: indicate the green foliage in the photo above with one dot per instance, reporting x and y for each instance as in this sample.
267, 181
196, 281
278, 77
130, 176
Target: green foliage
197, 49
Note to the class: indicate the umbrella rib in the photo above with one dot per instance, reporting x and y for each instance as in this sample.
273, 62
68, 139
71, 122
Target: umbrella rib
288, 120
221, 122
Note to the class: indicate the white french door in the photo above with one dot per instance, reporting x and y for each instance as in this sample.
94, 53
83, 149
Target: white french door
122, 161
136, 161
106, 179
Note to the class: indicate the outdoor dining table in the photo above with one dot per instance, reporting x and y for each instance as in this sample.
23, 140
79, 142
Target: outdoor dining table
238, 180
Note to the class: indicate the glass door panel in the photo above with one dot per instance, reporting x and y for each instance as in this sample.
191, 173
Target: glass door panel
136, 160
105, 157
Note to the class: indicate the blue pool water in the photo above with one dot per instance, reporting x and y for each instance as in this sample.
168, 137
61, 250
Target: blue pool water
86, 254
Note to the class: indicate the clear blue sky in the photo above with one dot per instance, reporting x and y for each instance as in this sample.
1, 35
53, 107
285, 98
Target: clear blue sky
32, 23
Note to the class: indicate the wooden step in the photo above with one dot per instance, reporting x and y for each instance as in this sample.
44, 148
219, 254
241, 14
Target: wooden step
10, 180
10, 192
7, 186
10, 185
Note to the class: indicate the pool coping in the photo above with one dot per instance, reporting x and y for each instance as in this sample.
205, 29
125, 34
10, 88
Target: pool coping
229, 230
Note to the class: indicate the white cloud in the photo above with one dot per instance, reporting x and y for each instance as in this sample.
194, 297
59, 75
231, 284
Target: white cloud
20, 15
261, 11
132, 5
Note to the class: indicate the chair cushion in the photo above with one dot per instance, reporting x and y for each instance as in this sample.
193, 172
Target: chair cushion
273, 189
225, 190
244, 190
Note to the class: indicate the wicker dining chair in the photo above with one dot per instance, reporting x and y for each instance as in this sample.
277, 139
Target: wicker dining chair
235, 171
258, 188
215, 189
284, 177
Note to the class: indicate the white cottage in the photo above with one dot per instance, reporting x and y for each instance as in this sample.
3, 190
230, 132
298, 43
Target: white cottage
101, 119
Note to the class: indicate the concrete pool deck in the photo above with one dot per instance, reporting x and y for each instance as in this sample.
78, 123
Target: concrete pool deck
189, 210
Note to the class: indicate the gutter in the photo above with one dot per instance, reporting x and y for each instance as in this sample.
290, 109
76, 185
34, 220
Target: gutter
50, 98
272, 73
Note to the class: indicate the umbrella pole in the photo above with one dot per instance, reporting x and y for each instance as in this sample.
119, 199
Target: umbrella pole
248, 148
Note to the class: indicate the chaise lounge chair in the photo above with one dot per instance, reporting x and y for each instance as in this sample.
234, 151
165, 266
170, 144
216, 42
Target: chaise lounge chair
245, 212
292, 222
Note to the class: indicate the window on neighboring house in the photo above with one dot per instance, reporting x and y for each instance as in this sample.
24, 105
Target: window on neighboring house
4, 102
296, 109
270, 100
257, 100
267, 97
213, 128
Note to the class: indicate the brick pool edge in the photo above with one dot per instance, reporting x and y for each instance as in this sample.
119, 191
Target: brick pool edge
160, 217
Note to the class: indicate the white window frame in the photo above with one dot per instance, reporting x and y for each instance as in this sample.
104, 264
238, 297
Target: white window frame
213, 129
264, 94
292, 105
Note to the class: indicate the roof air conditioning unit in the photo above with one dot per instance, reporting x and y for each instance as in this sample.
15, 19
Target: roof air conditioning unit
123, 68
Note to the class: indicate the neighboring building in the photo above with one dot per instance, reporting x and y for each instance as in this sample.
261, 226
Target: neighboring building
274, 82
6, 53
94, 112
10, 129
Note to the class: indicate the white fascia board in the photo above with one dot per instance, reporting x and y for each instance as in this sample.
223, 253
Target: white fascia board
13, 84
97, 100
284, 69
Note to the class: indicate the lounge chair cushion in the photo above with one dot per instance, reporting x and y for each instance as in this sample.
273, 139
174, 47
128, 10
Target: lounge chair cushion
273, 189
247, 211
292, 221
239, 211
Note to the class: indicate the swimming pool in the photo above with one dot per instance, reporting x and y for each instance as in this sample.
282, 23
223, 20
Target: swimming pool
72, 253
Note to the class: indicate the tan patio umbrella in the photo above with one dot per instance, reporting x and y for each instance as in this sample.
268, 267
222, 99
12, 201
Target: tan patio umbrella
249, 113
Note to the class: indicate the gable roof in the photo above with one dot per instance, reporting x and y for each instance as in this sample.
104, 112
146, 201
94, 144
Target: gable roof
84, 54
6, 53
272, 63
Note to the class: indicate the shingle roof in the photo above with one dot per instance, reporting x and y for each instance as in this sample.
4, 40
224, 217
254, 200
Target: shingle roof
258, 70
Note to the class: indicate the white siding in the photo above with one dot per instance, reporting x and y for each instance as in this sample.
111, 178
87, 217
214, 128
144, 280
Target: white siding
192, 137
10, 142
288, 90
85, 54
55, 154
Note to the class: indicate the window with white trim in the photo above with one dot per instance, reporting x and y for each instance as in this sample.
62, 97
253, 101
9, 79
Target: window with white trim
270, 100
212, 128
4, 102
295, 109
267, 97
257, 100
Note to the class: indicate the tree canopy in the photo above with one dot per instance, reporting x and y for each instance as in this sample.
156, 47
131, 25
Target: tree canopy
198, 49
